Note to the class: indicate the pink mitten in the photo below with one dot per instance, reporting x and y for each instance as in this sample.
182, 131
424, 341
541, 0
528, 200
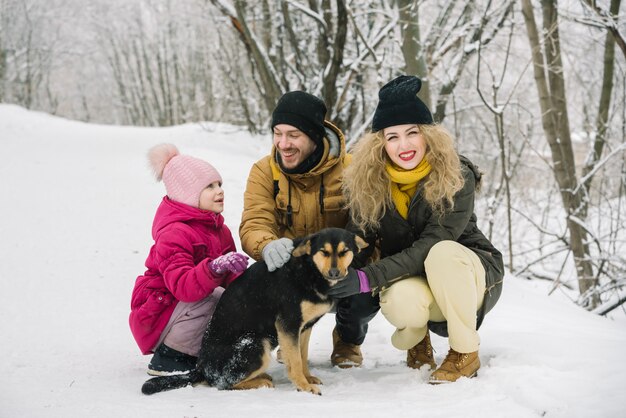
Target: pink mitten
233, 262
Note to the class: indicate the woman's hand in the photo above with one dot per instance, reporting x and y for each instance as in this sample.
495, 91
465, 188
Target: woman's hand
356, 282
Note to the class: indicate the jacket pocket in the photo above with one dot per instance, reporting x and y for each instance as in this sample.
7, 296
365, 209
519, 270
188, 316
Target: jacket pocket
335, 213
149, 312
286, 211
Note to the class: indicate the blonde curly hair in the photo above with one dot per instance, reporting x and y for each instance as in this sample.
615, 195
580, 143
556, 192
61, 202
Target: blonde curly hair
367, 186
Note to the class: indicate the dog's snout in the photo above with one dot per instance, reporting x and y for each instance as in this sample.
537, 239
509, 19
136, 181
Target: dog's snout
334, 273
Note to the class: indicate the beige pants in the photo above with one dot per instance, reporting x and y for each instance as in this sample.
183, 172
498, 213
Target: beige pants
452, 291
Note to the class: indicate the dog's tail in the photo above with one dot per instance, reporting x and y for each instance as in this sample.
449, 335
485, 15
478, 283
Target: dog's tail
162, 383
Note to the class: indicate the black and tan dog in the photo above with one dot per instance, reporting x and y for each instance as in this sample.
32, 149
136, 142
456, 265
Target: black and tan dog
261, 310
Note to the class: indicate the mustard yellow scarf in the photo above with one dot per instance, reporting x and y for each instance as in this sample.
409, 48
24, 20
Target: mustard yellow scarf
404, 184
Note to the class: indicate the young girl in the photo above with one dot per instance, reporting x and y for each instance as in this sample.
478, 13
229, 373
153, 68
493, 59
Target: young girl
192, 259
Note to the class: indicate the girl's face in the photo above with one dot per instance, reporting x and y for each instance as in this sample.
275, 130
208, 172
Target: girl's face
293, 145
212, 198
405, 145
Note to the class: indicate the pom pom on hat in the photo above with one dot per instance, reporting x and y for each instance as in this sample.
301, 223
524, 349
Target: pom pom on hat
159, 156
184, 176
398, 104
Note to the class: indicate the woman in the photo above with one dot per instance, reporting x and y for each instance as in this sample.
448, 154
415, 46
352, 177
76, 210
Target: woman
413, 195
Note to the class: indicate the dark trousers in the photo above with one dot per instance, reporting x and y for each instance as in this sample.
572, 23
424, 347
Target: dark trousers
352, 316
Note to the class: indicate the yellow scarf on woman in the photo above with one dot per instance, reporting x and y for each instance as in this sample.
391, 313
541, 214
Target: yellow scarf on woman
404, 184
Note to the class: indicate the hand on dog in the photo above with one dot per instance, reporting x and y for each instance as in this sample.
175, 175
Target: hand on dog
277, 253
233, 262
356, 282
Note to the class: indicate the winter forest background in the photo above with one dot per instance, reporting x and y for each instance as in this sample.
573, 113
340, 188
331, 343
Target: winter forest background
533, 91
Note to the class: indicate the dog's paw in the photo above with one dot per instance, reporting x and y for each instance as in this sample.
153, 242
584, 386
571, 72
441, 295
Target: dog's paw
265, 383
258, 382
311, 389
313, 380
265, 376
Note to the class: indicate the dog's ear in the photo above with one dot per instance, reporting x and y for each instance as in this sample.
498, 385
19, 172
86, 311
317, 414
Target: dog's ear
303, 248
360, 242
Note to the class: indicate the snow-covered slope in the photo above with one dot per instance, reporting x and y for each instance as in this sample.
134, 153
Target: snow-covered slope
77, 205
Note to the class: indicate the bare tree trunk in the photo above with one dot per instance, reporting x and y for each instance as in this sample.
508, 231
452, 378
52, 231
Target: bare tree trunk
414, 55
323, 42
603, 109
3, 68
333, 66
266, 30
611, 22
293, 41
271, 86
4, 9
551, 88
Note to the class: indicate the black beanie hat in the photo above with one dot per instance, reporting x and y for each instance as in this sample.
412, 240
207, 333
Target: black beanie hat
398, 104
302, 110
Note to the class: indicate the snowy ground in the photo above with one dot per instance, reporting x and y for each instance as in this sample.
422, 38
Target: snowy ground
77, 205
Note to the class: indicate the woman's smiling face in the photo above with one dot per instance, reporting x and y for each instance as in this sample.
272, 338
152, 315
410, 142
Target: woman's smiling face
405, 145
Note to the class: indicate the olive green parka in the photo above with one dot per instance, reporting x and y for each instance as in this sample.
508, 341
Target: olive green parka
405, 243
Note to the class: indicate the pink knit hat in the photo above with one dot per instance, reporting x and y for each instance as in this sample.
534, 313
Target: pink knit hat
185, 177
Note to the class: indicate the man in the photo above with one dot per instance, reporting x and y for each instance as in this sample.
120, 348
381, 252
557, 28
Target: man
296, 191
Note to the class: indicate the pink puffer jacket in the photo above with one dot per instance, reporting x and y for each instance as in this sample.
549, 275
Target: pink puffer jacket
186, 239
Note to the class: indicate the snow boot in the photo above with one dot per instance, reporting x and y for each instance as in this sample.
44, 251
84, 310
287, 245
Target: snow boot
166, 362
455, 366
345, 355
421, 354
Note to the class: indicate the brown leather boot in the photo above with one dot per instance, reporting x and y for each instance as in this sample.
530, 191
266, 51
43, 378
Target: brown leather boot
345, 355
455, 366
421, 354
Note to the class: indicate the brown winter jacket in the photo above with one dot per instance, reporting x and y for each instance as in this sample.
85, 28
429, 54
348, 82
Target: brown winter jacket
265, 215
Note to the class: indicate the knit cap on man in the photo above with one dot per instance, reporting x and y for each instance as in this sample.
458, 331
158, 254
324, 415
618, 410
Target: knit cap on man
303, 111
184, 176
398, 104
